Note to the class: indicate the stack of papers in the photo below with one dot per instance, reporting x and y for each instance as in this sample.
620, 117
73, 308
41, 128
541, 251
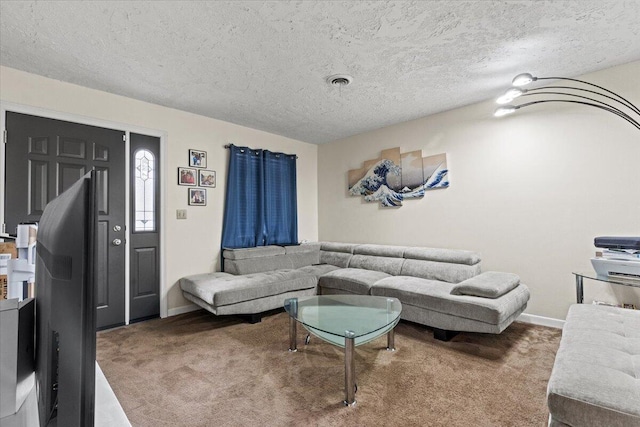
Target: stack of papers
621, 254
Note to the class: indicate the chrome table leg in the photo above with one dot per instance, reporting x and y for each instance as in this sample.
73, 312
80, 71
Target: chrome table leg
391, 345
579, 290
349, 369
293, 331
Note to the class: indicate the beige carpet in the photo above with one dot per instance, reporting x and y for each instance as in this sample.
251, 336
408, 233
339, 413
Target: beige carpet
199, 370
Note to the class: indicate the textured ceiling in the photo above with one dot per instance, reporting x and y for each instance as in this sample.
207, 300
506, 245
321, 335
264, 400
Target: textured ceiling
263, 64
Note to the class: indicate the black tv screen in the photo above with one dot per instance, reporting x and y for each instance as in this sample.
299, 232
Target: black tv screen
65, 307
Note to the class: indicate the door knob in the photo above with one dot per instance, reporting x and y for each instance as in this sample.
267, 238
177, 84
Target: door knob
116, 242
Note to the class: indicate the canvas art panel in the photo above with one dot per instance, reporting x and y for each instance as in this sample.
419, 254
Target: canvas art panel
436, 172
412, 171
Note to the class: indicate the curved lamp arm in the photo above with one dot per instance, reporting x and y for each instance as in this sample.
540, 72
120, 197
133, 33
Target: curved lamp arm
573, 95
508, 109
526, 78
542, 90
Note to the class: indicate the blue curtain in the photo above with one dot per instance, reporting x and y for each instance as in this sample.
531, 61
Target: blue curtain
281, 203
261, 204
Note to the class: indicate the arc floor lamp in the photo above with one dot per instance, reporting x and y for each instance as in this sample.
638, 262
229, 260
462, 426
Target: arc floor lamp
575, 92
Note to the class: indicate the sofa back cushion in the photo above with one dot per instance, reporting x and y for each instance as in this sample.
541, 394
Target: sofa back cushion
380, 250
269, 258
447, 265
453, 256
248, 253
338, 254
384, 264
257, 265
443, 271
303, 255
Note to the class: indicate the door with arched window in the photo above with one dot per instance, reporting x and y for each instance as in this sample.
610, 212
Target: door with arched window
144, 277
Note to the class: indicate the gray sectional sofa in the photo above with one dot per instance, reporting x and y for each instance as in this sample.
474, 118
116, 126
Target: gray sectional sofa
441, 288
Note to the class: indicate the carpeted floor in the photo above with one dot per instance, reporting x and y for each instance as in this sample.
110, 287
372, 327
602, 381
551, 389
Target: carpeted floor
199, 370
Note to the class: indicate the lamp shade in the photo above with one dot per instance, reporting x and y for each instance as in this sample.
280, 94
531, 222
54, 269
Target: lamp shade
510, 95
503, 111
523, 79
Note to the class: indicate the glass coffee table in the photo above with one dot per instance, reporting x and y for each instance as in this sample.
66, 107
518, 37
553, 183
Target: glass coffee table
345, 321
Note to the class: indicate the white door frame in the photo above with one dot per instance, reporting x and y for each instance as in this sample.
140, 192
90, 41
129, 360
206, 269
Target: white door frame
127, 129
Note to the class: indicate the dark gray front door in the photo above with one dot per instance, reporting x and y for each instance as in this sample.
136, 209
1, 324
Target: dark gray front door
44, 157
144, 280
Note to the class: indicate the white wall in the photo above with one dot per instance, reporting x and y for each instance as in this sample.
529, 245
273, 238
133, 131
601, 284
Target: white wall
529, 191
193, 245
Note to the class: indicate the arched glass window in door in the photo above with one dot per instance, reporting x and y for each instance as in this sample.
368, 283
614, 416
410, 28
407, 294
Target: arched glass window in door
144, 198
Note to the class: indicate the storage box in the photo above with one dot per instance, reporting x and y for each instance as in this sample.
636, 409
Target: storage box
9, 248
3, 287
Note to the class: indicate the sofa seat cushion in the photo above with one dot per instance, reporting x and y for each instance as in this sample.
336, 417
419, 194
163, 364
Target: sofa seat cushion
490, 284
595, 379
219, 289
436, 296
353, 280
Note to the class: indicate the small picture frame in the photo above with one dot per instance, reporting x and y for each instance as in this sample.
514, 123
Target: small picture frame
197, 159
206, 178
197, 197
187, 176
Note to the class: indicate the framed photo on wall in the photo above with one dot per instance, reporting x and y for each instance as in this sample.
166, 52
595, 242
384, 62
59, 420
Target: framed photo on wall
187, 176
197, 197
206, 178
197, 159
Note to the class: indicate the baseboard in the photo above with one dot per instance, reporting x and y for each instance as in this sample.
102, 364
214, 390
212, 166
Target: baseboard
541, 320
181, 310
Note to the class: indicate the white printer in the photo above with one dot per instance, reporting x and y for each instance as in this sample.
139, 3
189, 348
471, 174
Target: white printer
619, 256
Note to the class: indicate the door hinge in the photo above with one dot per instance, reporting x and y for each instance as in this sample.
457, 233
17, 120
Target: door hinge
4, 136
124, 137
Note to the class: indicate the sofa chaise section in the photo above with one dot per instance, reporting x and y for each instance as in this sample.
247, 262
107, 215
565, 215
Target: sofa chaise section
435, 303
262, 279
223, 293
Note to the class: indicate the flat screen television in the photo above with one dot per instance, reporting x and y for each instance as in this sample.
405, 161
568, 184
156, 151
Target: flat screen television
65, 307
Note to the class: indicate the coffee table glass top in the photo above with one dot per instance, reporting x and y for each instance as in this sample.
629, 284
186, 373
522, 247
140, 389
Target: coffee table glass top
336, 317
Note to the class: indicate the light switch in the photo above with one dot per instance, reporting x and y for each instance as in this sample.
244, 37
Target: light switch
181, 213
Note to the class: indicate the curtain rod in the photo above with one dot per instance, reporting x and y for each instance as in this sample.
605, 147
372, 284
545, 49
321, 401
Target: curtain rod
229, 146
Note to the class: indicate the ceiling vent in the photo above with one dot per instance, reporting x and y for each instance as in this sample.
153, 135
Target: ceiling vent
339, 80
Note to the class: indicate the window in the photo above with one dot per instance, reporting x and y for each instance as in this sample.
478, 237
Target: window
144, 197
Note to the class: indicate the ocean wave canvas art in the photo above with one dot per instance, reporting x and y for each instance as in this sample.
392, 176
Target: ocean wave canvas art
395, 177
